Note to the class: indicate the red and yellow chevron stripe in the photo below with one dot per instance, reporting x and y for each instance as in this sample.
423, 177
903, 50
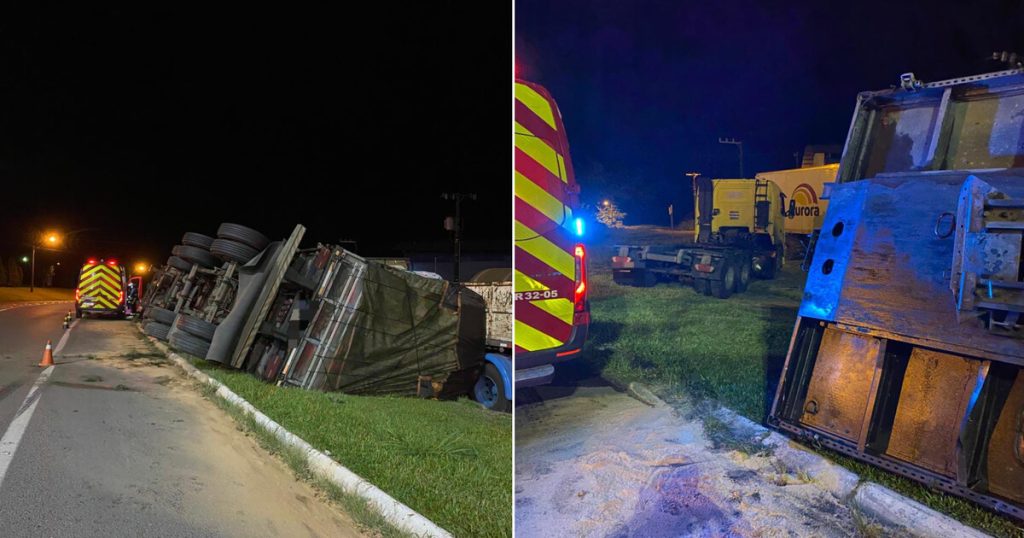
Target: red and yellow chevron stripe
545, 269
102, 283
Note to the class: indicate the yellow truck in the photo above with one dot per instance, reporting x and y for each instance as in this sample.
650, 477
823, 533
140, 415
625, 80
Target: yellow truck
801, 190
739, 233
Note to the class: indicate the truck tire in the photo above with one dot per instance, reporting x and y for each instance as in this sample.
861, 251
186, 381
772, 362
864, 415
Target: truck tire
489, 390
243, 234
196, 255
179, 264
232, 251
156, 330
161, 315
702, 286
771, 269
743, 277
193, 239
195, 326
187, 343
723, 288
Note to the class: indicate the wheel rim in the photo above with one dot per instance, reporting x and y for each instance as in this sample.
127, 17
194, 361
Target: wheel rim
486, 391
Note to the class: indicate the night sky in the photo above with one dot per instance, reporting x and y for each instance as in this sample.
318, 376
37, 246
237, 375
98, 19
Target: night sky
138, 126
647, 88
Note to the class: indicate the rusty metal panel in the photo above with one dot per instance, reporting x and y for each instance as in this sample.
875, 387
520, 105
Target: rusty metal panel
879, 263
937, 388
1006, 449
840, 390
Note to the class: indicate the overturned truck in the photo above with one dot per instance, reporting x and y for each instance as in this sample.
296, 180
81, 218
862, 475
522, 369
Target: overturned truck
909, 346
319, 318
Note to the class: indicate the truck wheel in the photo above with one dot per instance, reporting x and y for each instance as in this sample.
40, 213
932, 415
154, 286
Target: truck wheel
771, 269
743, 278
161, 315
192, 345
196, 326
232, 251
196, 255
647, 279
156, 330
78, 312
179, 264
621, 278
723, 288
243, 234
489, 390
193, 239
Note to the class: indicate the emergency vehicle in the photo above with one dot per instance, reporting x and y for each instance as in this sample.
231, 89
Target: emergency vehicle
101, 288
550, 276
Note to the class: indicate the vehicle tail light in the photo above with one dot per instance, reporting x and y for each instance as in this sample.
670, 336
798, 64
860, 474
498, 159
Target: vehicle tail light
580, 295
112, 263
704, 268
78, 294
92, 261
120, 296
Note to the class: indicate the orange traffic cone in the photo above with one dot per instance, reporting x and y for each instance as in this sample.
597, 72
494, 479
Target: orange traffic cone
47, 355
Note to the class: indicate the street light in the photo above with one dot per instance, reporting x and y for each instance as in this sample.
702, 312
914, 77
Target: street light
738, 144
50, 240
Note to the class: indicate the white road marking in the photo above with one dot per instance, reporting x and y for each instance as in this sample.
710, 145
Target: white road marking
19, 305
12, 437
64, 339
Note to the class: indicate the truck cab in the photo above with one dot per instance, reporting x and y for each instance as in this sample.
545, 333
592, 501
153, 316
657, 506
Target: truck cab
550, 269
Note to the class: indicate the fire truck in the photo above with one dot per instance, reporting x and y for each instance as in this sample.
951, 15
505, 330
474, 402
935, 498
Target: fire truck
550, 267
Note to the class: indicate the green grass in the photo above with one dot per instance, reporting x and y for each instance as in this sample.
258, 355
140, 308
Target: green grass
22, 295
449, 460
730, 351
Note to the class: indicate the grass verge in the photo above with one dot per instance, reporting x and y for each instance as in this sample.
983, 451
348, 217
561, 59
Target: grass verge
22, 295
730, 351
450, 461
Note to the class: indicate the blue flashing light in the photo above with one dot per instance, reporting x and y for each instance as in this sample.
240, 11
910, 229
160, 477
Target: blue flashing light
579, 227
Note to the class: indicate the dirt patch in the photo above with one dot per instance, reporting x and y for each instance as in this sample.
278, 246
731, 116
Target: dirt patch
624, 469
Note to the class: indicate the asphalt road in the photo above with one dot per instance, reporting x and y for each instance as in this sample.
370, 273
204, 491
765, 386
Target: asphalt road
121, 444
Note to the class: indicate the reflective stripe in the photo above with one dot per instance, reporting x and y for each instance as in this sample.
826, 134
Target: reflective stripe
544, 250
536, 103
531, 339
560, 308
541, 200
522, 282
539, 151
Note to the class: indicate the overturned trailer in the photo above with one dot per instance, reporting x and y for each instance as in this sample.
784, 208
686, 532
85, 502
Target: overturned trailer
909, 346
336, 321
325, 318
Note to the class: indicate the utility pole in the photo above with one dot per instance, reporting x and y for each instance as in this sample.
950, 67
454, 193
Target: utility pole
455, 226
738, 144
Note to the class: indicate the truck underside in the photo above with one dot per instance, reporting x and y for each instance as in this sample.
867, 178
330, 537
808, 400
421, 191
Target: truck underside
909, 349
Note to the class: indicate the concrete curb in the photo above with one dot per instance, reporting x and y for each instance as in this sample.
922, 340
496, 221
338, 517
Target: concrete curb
873, 500
396, 513
891, 508
644, 394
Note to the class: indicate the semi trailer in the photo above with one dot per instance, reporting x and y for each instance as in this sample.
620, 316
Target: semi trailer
324, 318
908, 349
739, 234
